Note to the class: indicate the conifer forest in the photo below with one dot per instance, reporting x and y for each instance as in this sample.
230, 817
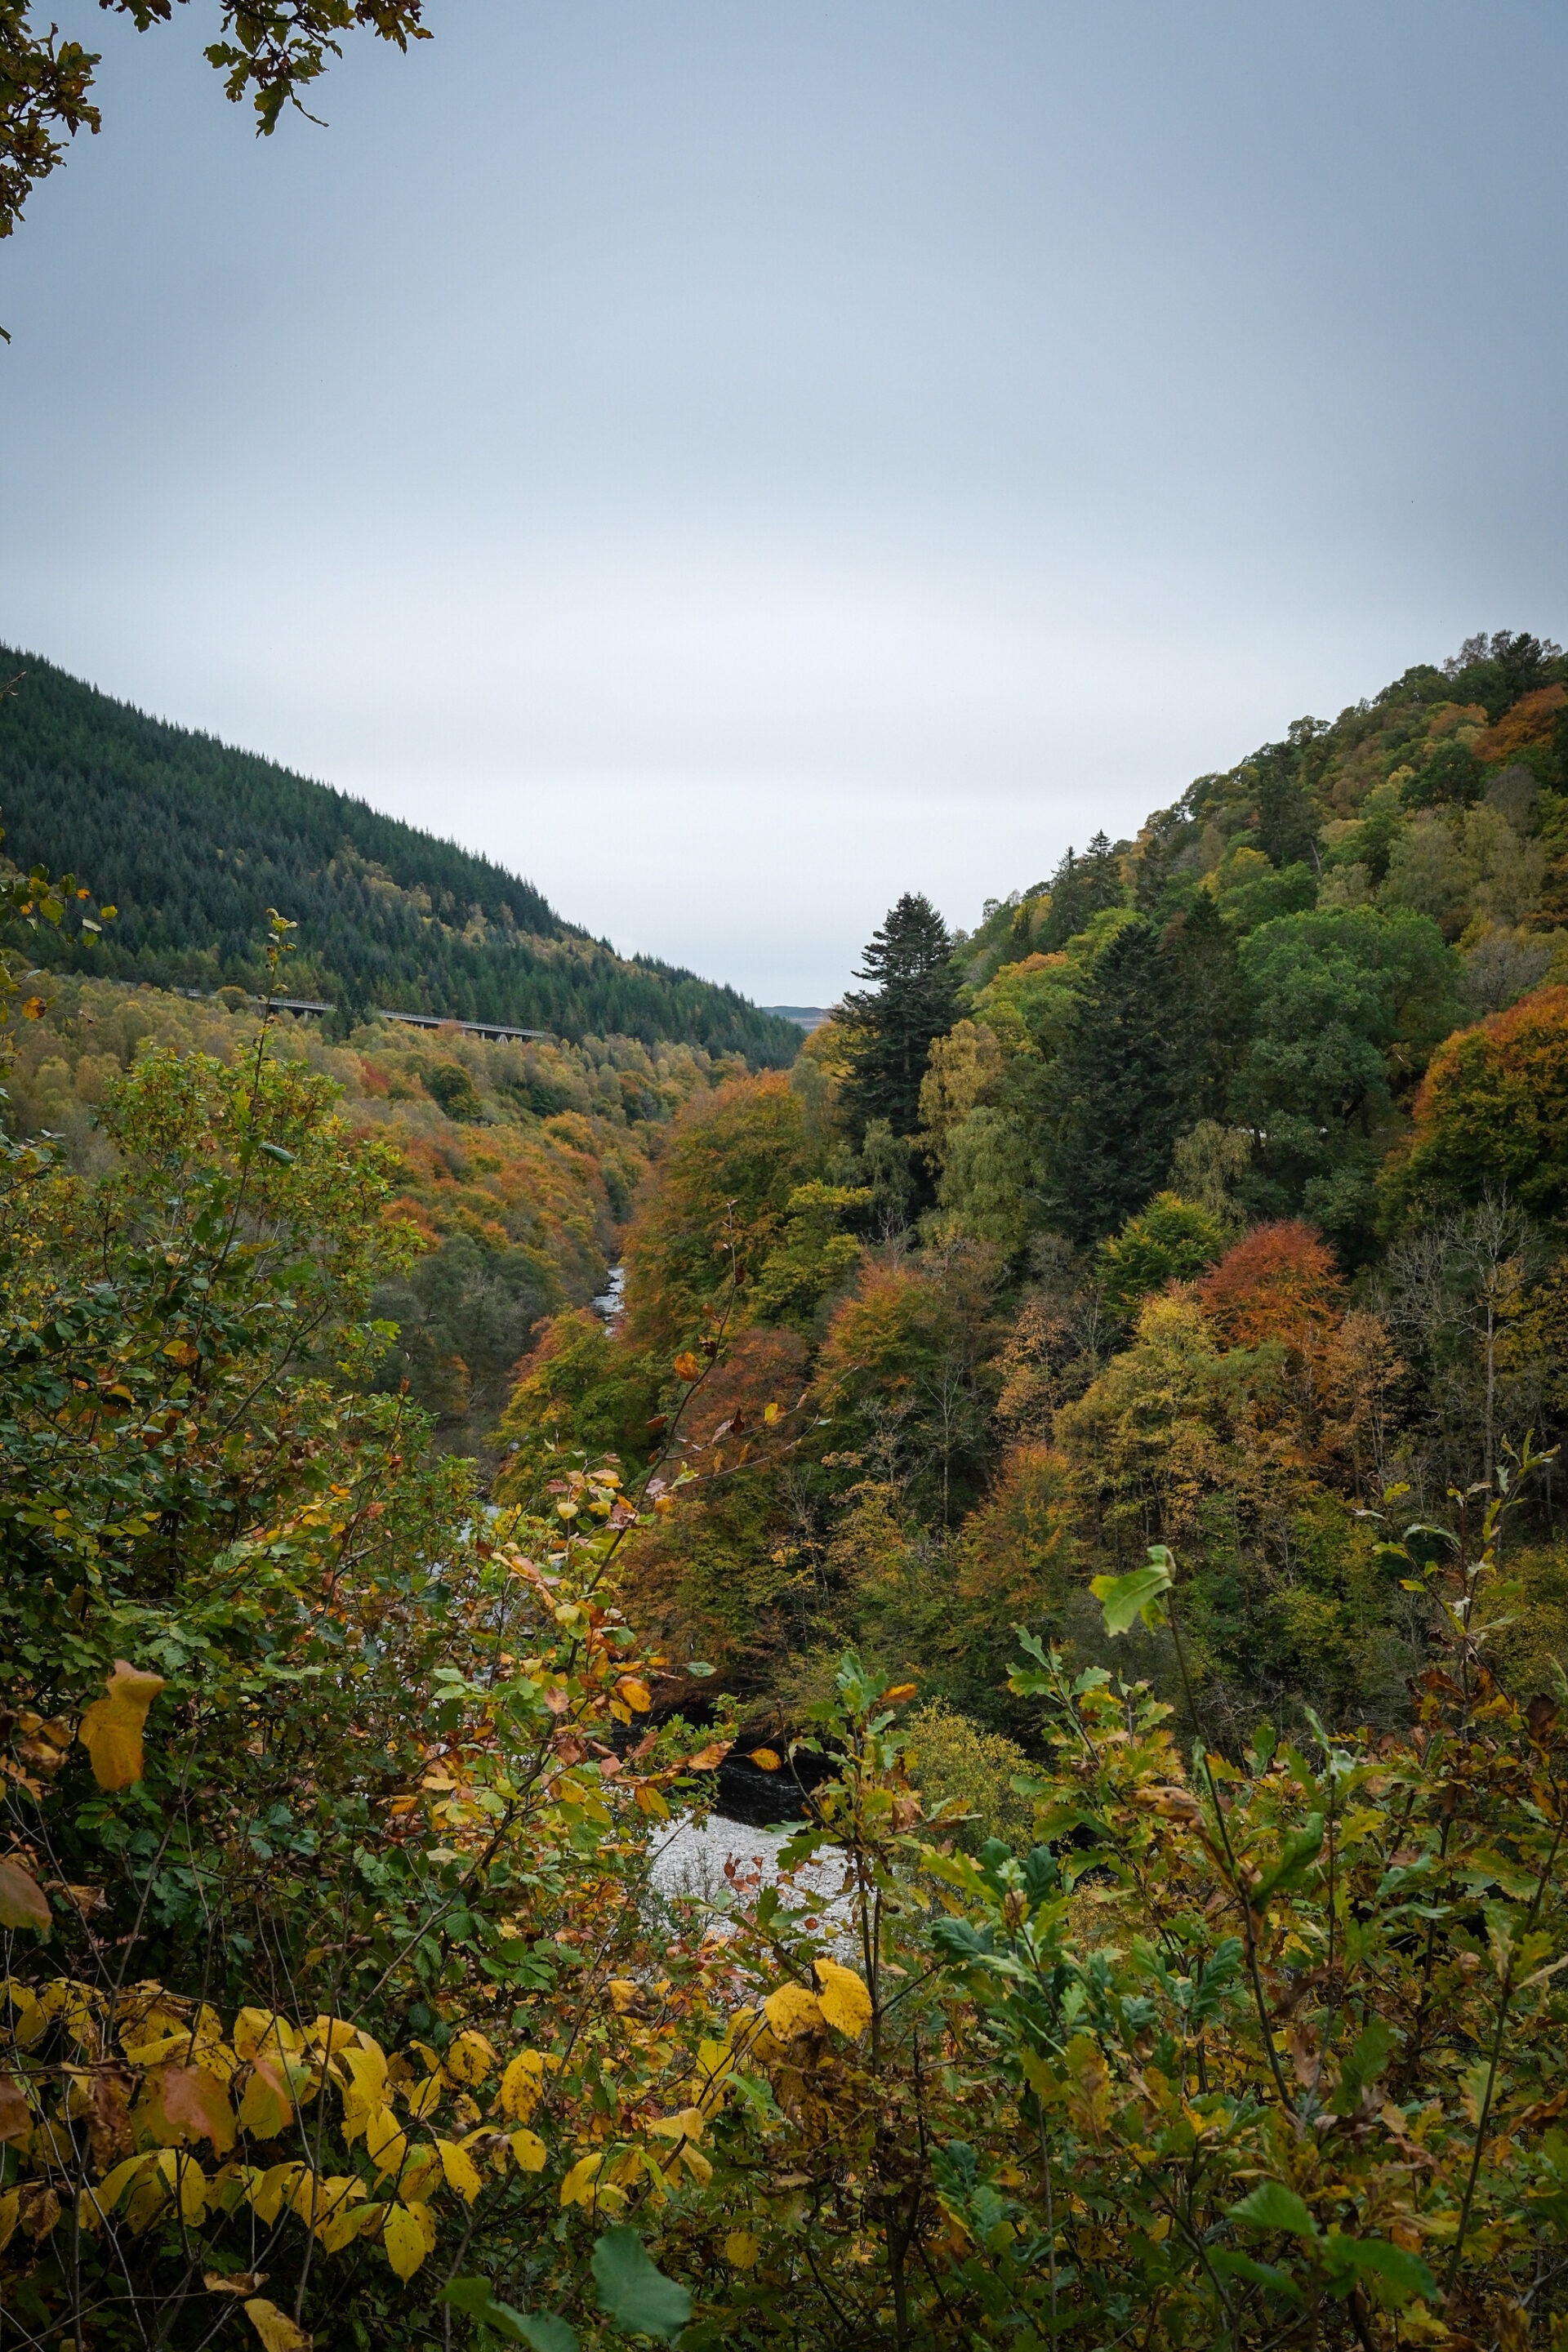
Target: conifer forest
671, 1682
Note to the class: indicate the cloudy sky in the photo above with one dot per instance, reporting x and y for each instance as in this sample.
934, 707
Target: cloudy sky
733, 463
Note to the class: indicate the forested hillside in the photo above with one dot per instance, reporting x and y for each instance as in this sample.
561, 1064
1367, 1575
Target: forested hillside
1215, 1184
201, 840
1088, 1430
518, 1164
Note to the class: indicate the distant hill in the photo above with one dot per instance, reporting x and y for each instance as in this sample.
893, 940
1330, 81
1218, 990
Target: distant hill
804, 1016
193, 840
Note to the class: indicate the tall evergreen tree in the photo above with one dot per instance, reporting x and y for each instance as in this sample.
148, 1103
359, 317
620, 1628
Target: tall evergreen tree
1208, 1010
1080, 887
915, 1000
1121, 1089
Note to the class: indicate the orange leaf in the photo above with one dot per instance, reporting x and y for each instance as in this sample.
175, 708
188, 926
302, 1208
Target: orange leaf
111, 1730
687, 1367
187, 2103
767, 1758
16, 2115
897, 1694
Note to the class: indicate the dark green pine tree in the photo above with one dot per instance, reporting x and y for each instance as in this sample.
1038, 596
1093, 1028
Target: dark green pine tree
1208, 1011
915, 1000
1080, 886
1120, 1092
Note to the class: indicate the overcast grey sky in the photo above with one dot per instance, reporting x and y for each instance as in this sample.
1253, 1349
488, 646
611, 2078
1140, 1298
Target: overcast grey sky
734, 462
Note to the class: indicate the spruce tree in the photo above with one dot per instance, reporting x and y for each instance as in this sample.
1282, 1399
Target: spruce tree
1120, 1090
1080, 887
915, 1000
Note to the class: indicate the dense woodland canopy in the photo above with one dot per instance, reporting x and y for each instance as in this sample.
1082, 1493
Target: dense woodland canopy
202, 840
1086, 1430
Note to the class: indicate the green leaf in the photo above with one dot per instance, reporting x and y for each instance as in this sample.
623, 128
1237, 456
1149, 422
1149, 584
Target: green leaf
1300, 1851
1272, 2206
1137, 1594
635, 2295
1261, 2273
541, 2333
1404, 2275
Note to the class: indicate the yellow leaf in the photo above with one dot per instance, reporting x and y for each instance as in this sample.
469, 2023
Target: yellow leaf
112, 2187
366, 2071
273, 2191
521, 2085
687, 2125
687, 1367
742, 2248
34, 1008
696, 2164
111, 1730
529, 2151
770, 1413
419, 2175
333, 2036
896, 1695
470, 2059
791, 2010
458, 2167
766, 1757
635, 1694
846, 2002
276, 2329
385, 2143
577, 2189
255, 2029
193, 2191
424, 2099
335, 2202
403, 2240
10, 2206
266, 2108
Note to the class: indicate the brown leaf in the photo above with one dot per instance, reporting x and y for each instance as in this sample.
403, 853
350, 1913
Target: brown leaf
1171, 1804
111, 1730
108, 2118
22, 1903
39, 2208
16, 2115
1540, 1715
